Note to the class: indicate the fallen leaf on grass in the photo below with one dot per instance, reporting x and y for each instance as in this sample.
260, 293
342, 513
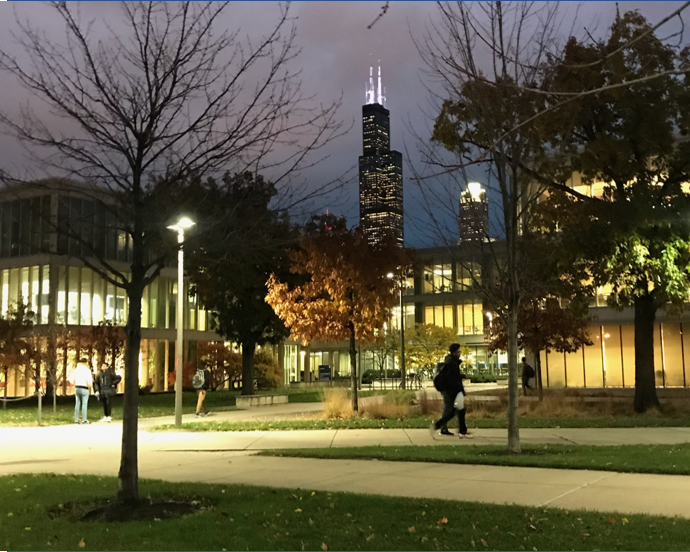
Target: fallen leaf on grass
298, 510
411, 529
311, 522
521, 547
82, 543
624, 521
612, 520
370, 537
484, 543
443, 521
324, 546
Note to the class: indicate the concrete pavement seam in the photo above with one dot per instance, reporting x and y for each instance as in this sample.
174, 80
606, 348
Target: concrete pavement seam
569, 441
408, 436
578, 488
333, 439
259, 437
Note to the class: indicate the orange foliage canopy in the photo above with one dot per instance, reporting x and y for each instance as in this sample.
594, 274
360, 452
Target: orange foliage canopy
347, 287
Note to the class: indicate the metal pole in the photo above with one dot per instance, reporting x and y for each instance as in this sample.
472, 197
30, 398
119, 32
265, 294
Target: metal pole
180, 328
402, 337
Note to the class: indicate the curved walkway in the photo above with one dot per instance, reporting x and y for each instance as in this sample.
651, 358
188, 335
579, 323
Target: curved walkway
212, 457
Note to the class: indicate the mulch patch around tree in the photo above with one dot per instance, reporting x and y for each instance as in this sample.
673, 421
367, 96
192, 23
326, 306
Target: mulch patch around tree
143, 510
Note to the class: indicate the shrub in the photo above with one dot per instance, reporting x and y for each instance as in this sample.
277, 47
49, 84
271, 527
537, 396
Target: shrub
429, 405
266, 371
337, 403
386, 409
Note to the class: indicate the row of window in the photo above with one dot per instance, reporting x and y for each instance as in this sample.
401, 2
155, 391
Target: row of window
466, 318
440, 278
85, 228
25, 227
610, 361
82, 297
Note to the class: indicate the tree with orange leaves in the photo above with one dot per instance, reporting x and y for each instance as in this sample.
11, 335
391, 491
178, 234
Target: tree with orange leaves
344, 294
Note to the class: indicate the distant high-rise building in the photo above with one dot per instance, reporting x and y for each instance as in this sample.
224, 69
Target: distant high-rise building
380, 170
474, 213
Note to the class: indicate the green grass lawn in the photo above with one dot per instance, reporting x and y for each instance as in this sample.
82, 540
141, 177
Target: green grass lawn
422, 422
666, 459
256, 518
155, 404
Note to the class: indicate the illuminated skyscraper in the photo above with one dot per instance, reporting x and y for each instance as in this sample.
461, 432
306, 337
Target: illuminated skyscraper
474, 213
380, 170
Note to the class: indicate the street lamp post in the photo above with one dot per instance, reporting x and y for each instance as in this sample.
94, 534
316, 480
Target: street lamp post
182, 224
390, 275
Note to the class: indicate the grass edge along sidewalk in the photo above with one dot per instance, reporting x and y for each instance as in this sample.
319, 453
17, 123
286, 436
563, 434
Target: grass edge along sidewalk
44, 511
422, 422
658, 459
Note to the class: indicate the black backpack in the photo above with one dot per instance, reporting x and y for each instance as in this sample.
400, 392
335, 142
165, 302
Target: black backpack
440, 382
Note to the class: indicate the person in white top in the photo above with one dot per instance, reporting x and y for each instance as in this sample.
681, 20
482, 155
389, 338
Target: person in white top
82, 379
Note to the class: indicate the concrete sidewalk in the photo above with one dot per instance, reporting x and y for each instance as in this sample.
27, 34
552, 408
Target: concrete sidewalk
215, 457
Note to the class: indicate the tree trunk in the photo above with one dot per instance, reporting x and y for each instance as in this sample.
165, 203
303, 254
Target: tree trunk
51, 371
4, 403
645, 384
248, 350
513, 384
39, 390
128, 490
64, 369
353, 367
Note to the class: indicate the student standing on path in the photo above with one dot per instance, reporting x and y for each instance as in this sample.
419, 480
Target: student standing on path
106, 388
451, 378
82, 379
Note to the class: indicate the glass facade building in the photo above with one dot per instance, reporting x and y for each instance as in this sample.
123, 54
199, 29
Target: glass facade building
42, 268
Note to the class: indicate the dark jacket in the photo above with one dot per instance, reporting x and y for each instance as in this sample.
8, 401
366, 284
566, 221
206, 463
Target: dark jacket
106, 382
453, 376
207, 379
527, 371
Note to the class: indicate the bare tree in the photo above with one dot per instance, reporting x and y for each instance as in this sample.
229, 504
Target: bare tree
172, 94
488, 57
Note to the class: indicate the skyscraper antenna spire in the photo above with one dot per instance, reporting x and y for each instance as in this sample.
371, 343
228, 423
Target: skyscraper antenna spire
375, 93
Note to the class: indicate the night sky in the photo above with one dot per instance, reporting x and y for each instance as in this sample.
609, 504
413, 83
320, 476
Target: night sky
337, 49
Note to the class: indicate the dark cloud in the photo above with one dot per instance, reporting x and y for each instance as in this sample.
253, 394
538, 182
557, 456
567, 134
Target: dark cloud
337, 48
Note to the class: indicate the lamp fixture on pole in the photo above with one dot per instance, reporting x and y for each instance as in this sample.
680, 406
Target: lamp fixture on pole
183, 224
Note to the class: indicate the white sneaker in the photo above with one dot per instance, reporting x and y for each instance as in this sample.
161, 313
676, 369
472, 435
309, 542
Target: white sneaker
104, 419
432, 429
109, 419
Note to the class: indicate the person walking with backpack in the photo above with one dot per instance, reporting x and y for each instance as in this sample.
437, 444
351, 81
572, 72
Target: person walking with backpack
105, 387
527, 374
449, 382
201, 382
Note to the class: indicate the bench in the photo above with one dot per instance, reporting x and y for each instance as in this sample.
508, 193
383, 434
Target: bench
248, 401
